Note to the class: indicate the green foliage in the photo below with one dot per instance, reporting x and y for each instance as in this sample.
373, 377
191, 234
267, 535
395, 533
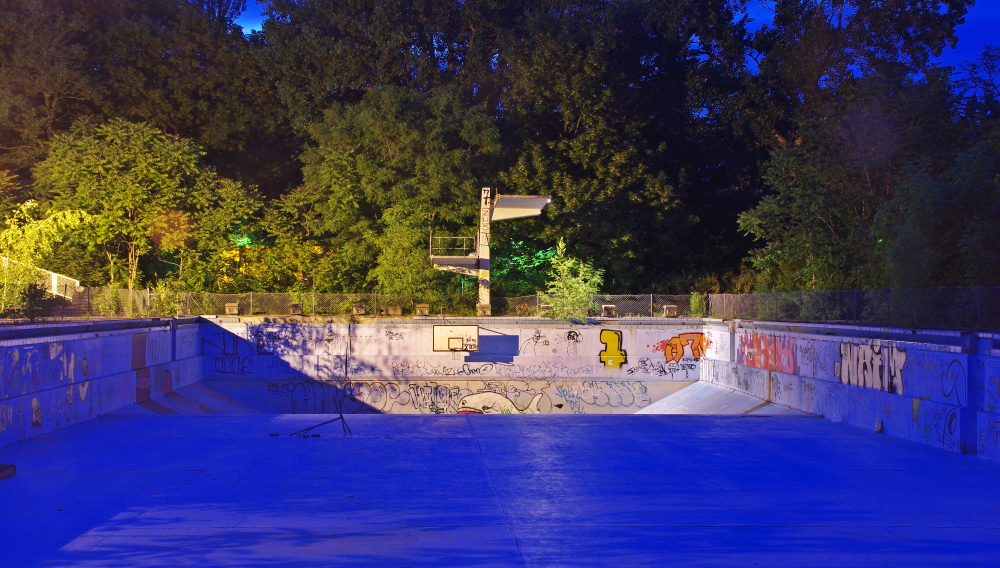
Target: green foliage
29, 240
600, 131
697, 304
383, 173
150, 197
43, 77
518, 269
572, 283
642, 119
832, 179
941, 230
32, 301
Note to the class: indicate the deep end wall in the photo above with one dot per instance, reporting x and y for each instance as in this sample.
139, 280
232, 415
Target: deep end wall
524, 367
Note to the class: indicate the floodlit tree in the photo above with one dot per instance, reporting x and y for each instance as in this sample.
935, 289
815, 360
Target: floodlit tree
27, 239
572, 283
148, 193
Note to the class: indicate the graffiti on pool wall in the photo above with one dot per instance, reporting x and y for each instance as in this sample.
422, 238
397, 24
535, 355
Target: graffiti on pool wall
232, 357
535, 345
495, 403
6, 417
613, 354
546, 370
989, 384
602, 394
646, 366
32, 368
470, 397
316, 397
673, 348
571, 338
36, 412
435, 369
767, 351
871, 366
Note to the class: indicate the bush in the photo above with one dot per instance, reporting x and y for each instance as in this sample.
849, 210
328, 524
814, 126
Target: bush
572, 283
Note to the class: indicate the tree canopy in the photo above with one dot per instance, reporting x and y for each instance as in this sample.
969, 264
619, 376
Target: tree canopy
684, 148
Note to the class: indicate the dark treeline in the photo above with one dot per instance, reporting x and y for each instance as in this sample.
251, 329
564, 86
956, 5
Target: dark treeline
683, 152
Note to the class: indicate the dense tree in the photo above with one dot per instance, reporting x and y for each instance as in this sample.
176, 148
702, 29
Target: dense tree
223, 12
44, 81
835, 176
844, 98
940, 229
150, 197
669, 137
605, 119
383, 173
325, 51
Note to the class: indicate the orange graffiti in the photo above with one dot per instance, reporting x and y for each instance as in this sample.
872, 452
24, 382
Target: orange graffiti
767, 351
673, 348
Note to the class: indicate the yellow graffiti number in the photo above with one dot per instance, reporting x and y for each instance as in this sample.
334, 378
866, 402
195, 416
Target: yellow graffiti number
613, 355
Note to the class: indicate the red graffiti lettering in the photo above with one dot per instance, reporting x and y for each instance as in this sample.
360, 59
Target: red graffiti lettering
767, 351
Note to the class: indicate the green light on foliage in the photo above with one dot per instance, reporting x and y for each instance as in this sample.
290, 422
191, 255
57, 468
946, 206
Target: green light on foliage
241, 240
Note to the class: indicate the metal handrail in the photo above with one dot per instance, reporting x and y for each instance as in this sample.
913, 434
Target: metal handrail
53, 283
453, 246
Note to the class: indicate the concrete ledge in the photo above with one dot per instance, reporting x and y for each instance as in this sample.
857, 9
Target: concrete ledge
291, 319
7, 470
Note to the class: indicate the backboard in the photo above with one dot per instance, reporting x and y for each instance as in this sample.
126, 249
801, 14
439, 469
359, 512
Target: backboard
456, 338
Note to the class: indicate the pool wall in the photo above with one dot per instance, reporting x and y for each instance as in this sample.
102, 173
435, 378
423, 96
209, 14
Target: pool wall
935, 387
69, 373
520, 366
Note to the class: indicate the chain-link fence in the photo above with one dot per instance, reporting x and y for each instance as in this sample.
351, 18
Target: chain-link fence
112, 302
942, 308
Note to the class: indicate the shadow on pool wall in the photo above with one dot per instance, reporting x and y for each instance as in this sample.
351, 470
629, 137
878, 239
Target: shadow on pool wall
392, 368
938, 388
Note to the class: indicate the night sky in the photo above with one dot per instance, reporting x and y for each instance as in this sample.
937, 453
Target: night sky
980, 28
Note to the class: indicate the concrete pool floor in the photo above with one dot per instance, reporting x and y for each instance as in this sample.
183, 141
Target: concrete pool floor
218, 490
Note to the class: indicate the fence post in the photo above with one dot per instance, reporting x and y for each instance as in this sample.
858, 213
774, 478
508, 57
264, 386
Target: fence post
855, 306
650, 305
888, 302
251, 302
979, 306
776, 306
